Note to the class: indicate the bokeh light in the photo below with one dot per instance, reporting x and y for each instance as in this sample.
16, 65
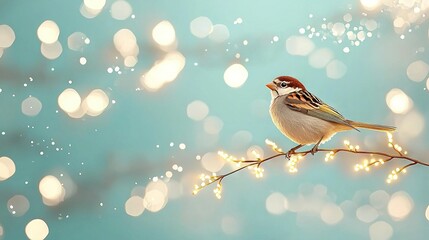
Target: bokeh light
164, 34
76, 41
95, 4
331, 214
126, 42
7, 168
212, 162
410, 126
398, 101
320, 57
380, 231
254, 152
370, 5
7, 36
154, 200
31, 106
235, 75
51, 51
338, 29
48, 32
241, 139
400, 205
157, 185
69, 100
51, 189
366, 214
163, 71
379, 199
299, 45
427, 213
89, 12
121, 10
213, 125
336, 69
18, 205
230, 225
275, 203
197, 110
219, 33
97, 101
134, 206
201, 27
37, 229
417, 71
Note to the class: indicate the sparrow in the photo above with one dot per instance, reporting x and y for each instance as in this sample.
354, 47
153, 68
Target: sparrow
304, 118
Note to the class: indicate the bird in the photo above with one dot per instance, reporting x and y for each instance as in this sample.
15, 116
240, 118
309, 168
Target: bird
304, 118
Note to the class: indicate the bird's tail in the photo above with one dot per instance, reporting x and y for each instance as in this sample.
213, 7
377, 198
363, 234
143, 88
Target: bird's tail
375, 127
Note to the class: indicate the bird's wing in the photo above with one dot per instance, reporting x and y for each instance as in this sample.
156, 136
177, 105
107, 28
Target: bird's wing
306, 103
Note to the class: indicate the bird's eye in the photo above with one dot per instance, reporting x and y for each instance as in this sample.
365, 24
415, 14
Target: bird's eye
283, 84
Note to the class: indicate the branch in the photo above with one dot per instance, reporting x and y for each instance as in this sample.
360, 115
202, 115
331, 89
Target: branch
376, 159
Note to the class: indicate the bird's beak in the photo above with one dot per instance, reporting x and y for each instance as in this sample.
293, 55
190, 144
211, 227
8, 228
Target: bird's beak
271, 86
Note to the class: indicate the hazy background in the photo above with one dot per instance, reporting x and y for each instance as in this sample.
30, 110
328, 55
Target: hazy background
102, 150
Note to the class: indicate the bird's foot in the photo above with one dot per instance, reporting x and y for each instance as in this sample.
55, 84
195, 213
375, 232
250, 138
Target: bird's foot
290, 153
314, 149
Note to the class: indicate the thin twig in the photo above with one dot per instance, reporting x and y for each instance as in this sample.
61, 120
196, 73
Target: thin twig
295, 157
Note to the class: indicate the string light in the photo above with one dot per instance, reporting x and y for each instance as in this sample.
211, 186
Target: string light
375, 159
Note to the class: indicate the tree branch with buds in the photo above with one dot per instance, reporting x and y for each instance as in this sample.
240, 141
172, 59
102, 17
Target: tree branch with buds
373, 159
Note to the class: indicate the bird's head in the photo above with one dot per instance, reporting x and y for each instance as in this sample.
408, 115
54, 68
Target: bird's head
284, 85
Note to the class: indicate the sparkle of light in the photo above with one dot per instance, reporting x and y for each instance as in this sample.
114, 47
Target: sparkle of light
82, 60
235, 75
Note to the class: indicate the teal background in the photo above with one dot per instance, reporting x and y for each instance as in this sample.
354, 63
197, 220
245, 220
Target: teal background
117, 150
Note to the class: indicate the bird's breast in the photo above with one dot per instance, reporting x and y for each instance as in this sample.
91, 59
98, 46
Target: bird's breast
299, 127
